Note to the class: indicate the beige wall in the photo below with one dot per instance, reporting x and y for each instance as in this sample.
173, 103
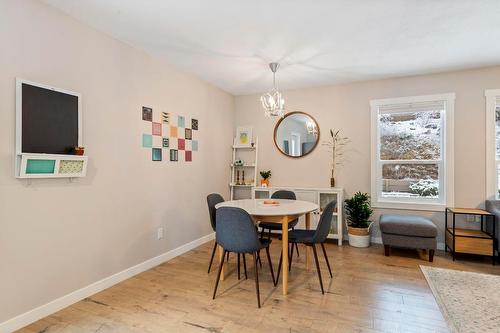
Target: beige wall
346, 107
57, 236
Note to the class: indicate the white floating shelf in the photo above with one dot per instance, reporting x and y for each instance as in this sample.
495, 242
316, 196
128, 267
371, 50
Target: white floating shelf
51, 166
235, 185
243, 166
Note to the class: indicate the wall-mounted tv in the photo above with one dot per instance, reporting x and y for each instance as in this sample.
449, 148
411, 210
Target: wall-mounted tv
49, 120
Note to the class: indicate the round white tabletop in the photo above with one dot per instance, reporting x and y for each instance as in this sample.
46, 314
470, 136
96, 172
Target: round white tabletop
256, 207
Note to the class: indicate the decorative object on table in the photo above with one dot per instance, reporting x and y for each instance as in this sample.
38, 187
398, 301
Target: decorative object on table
271, 202
320, 196
469, 302
291, 134
273, 101
264, 182
358, 211
243, 136
79, 151
336, 145
147, 113
239, 163
472, 241
156, 154
410, 231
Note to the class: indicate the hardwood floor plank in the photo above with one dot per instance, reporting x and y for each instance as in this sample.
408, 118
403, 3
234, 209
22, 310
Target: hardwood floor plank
368, 293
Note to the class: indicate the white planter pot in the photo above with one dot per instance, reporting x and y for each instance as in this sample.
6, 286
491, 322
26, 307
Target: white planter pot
359, 241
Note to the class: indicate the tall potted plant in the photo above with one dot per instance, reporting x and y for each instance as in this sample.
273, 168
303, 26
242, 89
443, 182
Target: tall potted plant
358, 211
336, 146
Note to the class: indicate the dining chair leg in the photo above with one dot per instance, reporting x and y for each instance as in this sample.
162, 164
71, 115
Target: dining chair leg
227, 259
270, 264
218, 274
245, 266
256, 278
279, 269
297, 248
326, 259
262, 233
269, 235
239, 266
317, 268
290, 260
212, 257
258, 259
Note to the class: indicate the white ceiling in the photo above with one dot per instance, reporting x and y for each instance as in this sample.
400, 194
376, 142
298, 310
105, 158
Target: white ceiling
229, 42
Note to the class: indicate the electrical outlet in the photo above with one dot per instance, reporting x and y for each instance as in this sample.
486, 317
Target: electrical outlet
160, 233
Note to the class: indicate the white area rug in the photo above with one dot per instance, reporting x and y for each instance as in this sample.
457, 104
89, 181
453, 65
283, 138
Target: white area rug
470, 302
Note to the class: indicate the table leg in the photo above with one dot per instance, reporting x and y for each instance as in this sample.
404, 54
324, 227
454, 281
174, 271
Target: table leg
284, 267
221, 254
308, 248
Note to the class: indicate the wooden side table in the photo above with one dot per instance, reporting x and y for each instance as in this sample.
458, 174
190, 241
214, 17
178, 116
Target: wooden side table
459, 240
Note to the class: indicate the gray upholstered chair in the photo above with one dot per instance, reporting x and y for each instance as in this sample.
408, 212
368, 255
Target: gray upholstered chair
313, 237
235, 232
409, 231
493, 206
281, 194
212, 200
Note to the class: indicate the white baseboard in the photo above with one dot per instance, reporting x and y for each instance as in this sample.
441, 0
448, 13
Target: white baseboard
45, 310
378, 240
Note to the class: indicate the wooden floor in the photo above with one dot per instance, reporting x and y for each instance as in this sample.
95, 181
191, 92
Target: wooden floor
368, 293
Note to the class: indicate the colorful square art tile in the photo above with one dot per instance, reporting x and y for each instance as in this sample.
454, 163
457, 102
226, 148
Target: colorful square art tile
157, 129
147, 113
194, 145
194, 124
188, 135
181, 121
174, 155
70, 166
189, 156
165, 117
164, 142
147, 140
156, 154
181, 144
173, 131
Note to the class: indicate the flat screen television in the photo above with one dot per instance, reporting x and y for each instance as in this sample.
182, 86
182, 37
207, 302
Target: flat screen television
48, 119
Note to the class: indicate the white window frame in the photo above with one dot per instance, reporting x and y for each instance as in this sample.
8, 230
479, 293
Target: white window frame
491, 160
447, 157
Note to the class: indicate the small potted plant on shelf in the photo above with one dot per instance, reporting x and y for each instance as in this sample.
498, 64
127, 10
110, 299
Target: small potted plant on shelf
264, 182
358, 211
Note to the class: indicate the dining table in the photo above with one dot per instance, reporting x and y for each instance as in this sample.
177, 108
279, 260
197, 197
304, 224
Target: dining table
280, 211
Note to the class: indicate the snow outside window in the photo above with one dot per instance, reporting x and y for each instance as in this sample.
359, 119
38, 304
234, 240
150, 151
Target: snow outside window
410, 149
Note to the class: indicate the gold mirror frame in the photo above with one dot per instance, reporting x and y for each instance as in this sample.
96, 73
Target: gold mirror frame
276, 130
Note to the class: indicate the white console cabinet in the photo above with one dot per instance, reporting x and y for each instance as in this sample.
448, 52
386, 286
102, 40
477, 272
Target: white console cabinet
320, 196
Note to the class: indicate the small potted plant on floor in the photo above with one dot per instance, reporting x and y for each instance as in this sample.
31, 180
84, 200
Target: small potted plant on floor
358, 212
265, 178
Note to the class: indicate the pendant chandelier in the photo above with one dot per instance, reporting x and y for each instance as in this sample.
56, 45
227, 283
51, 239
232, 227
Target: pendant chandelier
272, 101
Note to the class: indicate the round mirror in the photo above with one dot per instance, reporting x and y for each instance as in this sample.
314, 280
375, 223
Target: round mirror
296, 134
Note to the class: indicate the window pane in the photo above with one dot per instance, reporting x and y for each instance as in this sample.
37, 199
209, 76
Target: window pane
410, 135
410, 180
497, 130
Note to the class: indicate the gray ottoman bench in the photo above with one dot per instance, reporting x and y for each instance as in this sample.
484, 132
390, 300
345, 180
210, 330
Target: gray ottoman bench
408, 231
